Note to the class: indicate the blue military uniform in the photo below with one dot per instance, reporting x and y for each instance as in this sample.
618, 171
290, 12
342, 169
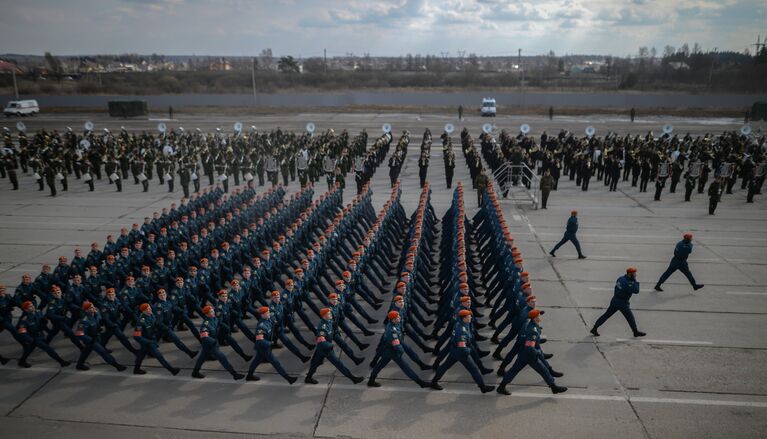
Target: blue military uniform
30, 330
324, 350
530, 355
392, 348
210, 347
572, 229
263, 347
625, 288
460, 351
87, 334
679, 262
147, 334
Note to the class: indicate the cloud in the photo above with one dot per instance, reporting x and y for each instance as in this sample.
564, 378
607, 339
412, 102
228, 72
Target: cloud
514, 11
381, 27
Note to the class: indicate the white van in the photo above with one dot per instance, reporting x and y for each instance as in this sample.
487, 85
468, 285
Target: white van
21, 108
488, 107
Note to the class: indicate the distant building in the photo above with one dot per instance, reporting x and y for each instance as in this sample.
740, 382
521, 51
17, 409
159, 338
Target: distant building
222, 64
679, 65
122, 68
7, 67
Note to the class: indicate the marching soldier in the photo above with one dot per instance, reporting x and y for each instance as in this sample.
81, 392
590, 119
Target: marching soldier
210, 345
263, 347
449, 166
679, 262
391, 344
571, 230
423, 166
625, 287
714, 194
147, 336
531, 355
324, 350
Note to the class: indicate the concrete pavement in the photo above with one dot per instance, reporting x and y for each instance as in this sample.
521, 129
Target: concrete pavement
698, 373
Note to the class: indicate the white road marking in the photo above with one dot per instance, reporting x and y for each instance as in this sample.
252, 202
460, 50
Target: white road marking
711, 402
608, 258
517, 217
675, 342
274, 381
746, 293
593, 235
613, 288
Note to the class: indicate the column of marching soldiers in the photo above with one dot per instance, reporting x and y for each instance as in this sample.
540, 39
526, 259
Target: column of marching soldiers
218, 261
184, 158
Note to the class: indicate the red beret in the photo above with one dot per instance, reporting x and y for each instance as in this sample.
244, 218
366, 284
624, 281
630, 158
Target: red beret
631, 270
87, 305
463, 285
143, 307
463, 313
275, 293
392, 315
398, 298
465, 299
533, 313
263, 310
324, 312
207, 309
340, 282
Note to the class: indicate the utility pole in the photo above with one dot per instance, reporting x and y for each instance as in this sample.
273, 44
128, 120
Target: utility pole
522, 79
325, 57
711, 71
253, 77
759, 45
15, 86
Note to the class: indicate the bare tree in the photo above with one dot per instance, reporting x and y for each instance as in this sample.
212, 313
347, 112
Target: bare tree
266, 58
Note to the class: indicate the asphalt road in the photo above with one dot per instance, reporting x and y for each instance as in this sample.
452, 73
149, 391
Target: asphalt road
394, 98
698, 373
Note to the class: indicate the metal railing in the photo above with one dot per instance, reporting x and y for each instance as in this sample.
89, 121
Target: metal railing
516, 179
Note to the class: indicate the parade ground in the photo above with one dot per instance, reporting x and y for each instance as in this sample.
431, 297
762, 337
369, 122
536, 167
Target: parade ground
699, 373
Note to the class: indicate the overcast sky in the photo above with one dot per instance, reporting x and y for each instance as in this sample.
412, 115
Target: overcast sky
305, 28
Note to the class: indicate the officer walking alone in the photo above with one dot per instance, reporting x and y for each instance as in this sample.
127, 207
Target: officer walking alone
572, 229
679, 262
625, 287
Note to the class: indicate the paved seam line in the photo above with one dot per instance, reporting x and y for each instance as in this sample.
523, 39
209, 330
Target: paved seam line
34, 392
622, 387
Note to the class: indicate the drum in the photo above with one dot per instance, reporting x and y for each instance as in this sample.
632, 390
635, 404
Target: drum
663, 170
695, 169
725, 170
328, 164
271, 164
